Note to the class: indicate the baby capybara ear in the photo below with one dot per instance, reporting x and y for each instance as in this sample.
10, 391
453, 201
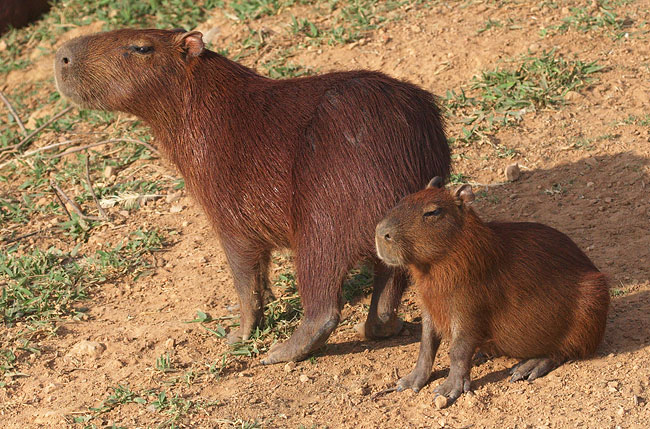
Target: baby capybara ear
436, 182
463, 195
191, 43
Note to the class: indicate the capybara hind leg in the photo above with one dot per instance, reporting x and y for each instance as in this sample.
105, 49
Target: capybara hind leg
382, 320
250, 275
310, 336
429, 344
532, 368
321, 295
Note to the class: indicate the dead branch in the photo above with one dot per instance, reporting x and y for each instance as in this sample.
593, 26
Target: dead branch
128, 140
78, 149
92, 191
75, 207
18, 146
13, 113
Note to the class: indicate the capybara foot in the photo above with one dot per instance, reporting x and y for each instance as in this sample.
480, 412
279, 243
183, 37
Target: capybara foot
414, 380
238, 335
453, 387
531, 369
369, 330
308, 337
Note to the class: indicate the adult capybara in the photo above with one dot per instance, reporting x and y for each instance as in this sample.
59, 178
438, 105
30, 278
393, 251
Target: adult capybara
17, 13
518, 289
310, 163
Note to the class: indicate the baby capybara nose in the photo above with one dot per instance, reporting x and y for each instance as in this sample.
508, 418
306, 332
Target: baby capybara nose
383, 232
64, 56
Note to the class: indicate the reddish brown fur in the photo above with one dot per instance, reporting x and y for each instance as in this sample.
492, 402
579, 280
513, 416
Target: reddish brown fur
18, 13
520, 289
309, 163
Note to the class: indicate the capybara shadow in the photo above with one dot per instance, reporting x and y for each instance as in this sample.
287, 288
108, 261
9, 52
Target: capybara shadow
628, 325
309, 164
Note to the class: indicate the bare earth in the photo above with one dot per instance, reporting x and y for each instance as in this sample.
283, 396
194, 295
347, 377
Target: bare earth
596, 193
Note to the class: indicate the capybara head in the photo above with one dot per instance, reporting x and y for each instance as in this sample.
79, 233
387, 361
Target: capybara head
422, 226
125, 70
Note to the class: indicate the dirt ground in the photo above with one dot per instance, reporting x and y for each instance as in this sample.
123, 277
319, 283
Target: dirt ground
585, 170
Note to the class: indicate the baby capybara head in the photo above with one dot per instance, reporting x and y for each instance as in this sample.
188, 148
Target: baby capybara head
423, 225
124, 69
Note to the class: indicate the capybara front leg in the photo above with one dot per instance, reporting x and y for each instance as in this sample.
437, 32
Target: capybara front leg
250, 274
382, 320
429, 344
458, 381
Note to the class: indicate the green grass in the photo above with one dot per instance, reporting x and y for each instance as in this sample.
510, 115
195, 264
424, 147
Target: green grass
503, 96
41, 285
171, 406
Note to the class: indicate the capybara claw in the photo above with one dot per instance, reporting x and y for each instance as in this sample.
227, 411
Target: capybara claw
452, 388
412, 381
531, 369
236, 336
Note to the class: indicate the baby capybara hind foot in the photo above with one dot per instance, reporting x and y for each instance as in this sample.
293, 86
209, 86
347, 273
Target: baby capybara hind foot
532, 368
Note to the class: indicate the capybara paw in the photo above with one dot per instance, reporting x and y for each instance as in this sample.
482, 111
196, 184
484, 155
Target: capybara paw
453, 387
237, 335
531, 369
415, 381
376, 330
283, 352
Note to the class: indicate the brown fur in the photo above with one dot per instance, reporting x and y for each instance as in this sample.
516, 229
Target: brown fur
309, 163
520, 289
18, 13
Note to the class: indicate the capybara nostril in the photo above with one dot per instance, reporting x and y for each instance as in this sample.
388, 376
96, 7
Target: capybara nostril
387, 237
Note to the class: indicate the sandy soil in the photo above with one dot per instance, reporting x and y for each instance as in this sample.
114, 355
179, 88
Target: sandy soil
597, 194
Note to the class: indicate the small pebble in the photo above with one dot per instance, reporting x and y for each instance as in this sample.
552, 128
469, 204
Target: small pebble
289, 366
173, 197
512, 172
440, 402
303, 378
176, 208
109, 171
170, 343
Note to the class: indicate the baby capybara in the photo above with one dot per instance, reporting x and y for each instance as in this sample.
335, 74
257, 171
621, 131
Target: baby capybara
520, 289
309, 163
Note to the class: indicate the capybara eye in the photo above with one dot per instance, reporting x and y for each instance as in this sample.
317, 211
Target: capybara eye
142, 49
435, 212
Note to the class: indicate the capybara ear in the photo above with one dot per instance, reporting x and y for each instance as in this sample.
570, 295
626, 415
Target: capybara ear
192, 43
436, 182
464, 194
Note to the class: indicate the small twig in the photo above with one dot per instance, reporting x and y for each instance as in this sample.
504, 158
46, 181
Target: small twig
27, 138
488, 185
58, 197
383, 392
78, 149
14, 113
8, 240
92, 191
74, 206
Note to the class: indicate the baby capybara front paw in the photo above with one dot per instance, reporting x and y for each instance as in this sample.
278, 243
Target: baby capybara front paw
454, 386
